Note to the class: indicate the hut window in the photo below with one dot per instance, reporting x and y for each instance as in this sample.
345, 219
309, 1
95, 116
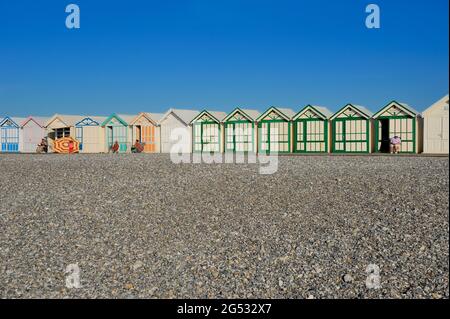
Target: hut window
62, 132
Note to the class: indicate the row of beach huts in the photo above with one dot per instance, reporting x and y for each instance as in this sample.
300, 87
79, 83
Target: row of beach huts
313, 129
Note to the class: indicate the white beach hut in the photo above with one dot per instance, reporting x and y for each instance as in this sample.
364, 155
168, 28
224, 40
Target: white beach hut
436, 127
176, 121
32, 131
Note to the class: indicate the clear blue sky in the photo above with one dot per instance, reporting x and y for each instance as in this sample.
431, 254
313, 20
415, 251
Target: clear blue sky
131, 56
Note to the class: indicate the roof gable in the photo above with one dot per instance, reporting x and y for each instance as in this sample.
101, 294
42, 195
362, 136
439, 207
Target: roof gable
184, 116
63, 120
352, 111
114, 120
87, 121
205, 116
239, 114
39, 121
146, 118
396, 109
442, 103
8, 122
313, 112
274, 113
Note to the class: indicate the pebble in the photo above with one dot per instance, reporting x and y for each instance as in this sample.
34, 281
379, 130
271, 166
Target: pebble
139, 226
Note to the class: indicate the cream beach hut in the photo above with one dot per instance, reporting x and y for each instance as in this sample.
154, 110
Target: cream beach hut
59, 126
311, 130
117, 128
206, 132
90, 134
240, 131
398, 119
146, 130
32, 131
351, 129
10, 134
173, 122
274, 130
436, 127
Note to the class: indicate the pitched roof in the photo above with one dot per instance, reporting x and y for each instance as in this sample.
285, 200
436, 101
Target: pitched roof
362, 109
441, 102
252, 115
37, 119
288, 113
15, 120
325, 112
405, 107
186, 116
218, 116
69, 120
18, 120
126, 117
98, 119
155, 116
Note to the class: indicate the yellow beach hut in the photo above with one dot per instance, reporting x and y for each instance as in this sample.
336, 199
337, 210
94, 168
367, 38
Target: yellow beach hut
59, 126
146, 130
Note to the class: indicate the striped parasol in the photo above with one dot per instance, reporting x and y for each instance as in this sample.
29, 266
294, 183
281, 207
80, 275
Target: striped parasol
66, 145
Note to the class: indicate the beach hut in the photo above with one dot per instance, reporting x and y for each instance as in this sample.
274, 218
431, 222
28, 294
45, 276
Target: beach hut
397, 119
117, 129
351, 130
146, 130
10, 134
173, 122
436, 127
90, 134
311, 130
59, 126
240, 131
274, 130
206, 132
32, 131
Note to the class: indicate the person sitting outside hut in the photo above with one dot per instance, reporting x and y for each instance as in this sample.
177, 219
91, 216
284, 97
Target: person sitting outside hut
395, 144
115, 147
137, 147
42, 146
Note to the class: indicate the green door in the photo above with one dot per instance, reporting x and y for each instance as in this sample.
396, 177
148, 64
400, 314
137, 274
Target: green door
351, 135
310, 136
239, 137
274, 136
206, 137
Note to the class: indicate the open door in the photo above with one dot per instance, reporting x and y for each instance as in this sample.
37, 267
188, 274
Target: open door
384, 138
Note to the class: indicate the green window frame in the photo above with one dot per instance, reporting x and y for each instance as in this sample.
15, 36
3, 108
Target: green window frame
205, 138
311, 136
270, 138
239, 136
345, 137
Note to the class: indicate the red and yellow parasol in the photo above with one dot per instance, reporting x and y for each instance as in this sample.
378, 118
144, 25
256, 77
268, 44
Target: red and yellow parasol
66, 145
